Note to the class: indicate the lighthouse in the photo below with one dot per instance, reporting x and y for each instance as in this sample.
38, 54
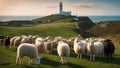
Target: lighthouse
61, 12
60, 7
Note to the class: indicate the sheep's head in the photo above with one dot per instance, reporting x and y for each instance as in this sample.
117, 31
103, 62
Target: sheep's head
60, 42
38, 60
41, 42
90, 43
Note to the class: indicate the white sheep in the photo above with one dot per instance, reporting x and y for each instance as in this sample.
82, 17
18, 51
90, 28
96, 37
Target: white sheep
48, 38
34, 38
48, 45
39, 42
17, 41
12, 40
26, 40
55, 41
95, 48
63, 51
29, 50
70, 42
78, 48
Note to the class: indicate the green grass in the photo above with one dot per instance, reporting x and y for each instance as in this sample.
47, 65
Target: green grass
65, 30
52, 60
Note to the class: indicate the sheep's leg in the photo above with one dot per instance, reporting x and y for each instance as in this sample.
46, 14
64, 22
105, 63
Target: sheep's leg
93, 57
110, 56
90, 57
65, 60
80, 56
17, 59
29, 62
20, 60
62, 60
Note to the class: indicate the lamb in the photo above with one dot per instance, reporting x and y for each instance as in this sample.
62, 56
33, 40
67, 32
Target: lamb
29, 50
95, 48
63, 51
78, 48
39, 42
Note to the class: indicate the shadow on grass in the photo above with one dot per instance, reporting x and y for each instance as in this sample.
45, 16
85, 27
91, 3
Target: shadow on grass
54, 52
27, 66
49, 62
5, 63
115, 60
72, 54
46, 61
71, 65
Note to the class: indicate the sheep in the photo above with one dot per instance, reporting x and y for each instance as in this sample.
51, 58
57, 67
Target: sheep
78, 48
39, 42
48, 45
47, 38
70, 42
58, 38
55, 41
29, 50
24, 36
64, 40
109, 48
34, 38
26, 40
17, 41
84, 42
95, 48
12, 40
63, 51
7, 42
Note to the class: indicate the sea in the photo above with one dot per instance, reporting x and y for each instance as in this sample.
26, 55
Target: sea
93, 18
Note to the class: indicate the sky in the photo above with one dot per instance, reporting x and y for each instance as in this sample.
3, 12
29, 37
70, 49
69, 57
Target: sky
48, 7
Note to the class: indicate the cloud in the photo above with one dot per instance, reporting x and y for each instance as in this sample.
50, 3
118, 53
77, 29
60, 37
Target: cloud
51, 6
85, 5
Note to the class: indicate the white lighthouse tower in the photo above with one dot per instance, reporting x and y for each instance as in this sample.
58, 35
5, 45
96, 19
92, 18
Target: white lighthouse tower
61, 12
60, 7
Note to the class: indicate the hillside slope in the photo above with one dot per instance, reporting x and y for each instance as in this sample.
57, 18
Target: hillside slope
107, 29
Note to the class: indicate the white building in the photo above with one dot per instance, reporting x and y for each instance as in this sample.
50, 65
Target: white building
61, 12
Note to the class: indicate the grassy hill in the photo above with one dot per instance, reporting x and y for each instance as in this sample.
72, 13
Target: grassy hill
52, 29
110, 29
54, 25
83, 23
